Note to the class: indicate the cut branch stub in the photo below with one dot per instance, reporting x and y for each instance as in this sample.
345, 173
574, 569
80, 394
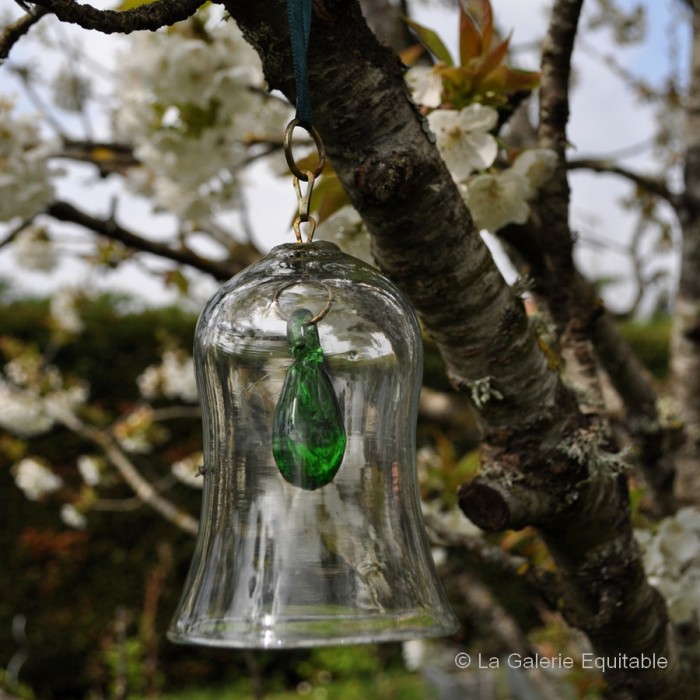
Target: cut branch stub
494, 506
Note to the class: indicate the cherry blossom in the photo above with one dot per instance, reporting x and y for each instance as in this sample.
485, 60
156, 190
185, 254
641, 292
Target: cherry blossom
89, 469
672, 562
463, 138
172, 378
537, 166
72, 517
34, 250
497, 200
35, 479
25, 176
187, 470
425, 86
64, 311
189, 100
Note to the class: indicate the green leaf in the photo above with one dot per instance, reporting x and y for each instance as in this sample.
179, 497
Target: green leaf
175, 278
431, 41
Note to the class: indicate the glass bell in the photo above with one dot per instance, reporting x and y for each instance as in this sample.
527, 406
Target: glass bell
309, 370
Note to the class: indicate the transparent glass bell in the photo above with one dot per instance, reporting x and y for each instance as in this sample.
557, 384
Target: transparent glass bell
311, 529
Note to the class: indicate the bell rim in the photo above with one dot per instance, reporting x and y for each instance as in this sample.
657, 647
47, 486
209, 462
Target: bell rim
443, 625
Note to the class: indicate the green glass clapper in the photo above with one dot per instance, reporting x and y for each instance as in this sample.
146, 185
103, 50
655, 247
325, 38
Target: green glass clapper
308, 435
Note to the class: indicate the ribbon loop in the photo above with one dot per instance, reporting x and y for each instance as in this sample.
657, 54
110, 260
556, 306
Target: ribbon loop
299, 13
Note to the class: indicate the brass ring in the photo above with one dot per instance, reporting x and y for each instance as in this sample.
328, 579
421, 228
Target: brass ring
321, 314
290, 156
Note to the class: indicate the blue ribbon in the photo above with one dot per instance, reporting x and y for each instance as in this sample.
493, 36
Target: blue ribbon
299, 12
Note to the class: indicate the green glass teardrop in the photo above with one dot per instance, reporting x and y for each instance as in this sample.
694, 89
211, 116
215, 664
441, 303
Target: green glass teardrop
308, 436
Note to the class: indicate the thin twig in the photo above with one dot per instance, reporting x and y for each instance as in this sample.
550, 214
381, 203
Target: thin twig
150, 16
10, 237
12, 33
650, 184
63, 211
544, 582
142, 488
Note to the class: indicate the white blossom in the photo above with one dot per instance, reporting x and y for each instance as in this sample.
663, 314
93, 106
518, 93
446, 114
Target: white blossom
25, 187
536, 165
187, 104
439, 555
64, 310
22, 413
672, 562
497, 200
89, 469
414, 652
66, 401
34, 250
463, 138
149, 382
173, 378
72, 517
136, 431
34, 479
178, 377
187, 470
425, 85
34, 395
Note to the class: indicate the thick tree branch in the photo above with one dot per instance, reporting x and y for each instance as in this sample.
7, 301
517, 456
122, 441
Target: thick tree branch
15, 31
651, 184
63, 211
553, 208
152, 16
546, 246
685, 341
655, 440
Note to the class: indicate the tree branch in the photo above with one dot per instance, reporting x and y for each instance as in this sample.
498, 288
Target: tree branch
12, 33
552, 208
543, 581
246, 254
142, 488
685, 337
655, 439
151, 16
645, 182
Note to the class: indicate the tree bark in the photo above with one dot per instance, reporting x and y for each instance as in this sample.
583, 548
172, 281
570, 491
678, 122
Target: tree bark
685, 343
544, 460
